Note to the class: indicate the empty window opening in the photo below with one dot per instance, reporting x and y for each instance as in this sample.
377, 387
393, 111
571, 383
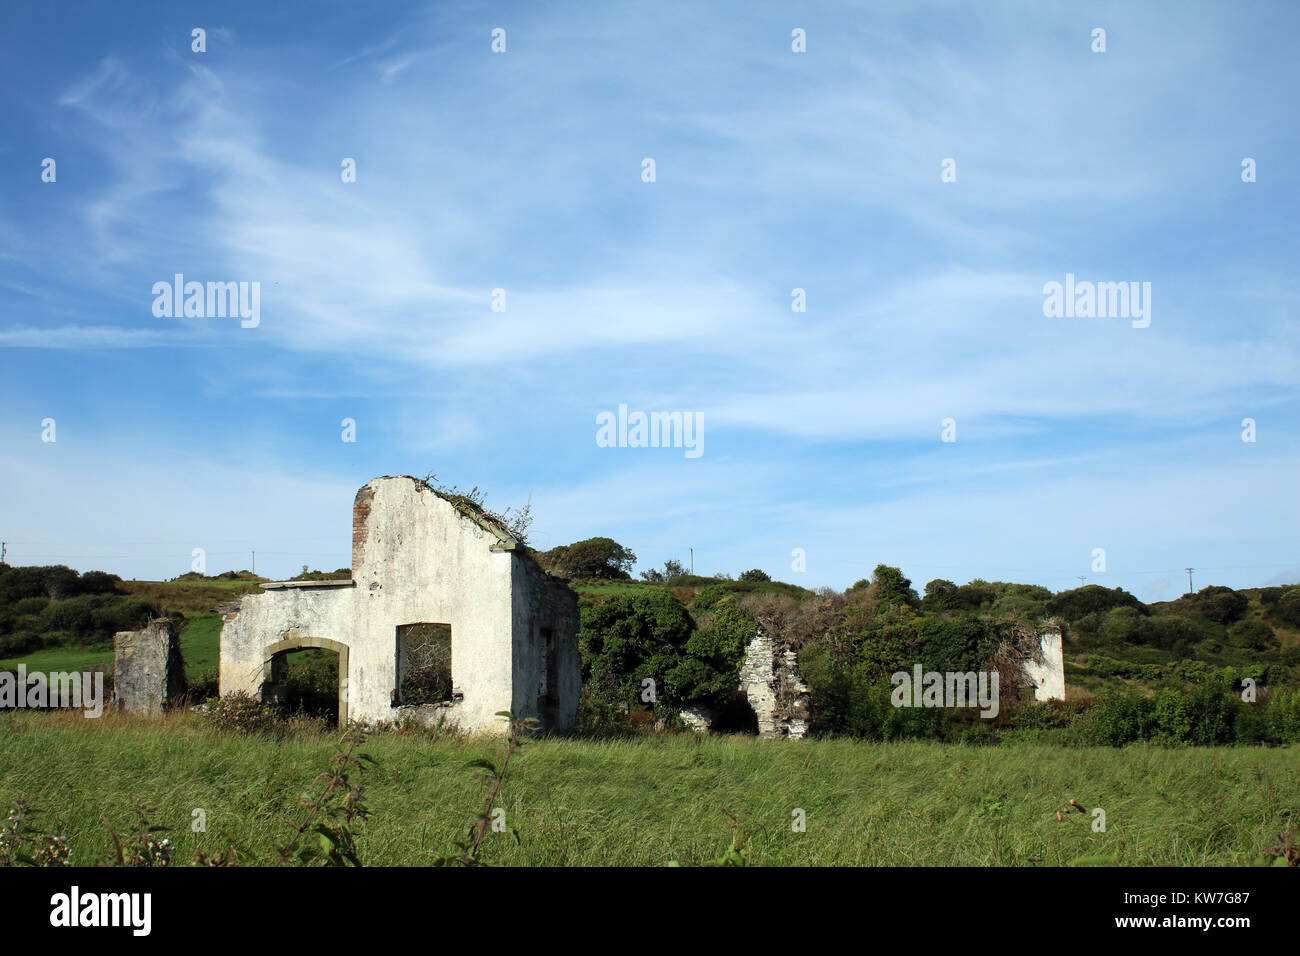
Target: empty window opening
423, 664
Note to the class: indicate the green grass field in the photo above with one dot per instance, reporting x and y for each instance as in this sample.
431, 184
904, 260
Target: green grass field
200, 646
652, 800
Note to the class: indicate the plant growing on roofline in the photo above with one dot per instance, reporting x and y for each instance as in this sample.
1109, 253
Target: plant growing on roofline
515, 522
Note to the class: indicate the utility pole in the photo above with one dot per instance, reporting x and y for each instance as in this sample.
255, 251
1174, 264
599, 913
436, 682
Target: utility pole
4, 548
253, 569
1189, 580
692, 560
1082, 578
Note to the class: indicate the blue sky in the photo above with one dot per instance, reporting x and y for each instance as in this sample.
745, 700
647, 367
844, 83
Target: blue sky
775, 170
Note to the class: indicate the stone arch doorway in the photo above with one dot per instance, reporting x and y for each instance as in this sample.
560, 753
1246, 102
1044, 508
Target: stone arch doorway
276, 667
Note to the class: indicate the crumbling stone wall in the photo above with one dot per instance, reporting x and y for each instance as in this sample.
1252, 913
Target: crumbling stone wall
1031, 657
698, 718
148, 669
776, 690
1046, 669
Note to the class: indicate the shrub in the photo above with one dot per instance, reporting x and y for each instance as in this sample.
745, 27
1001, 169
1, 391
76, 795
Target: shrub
1252, 634
72, 616
1221, 605
1174, 716
594, 558
53, 581
240, 713
205, 686
708, 596
126, 614
19, 643
1176, 634
1043, 715
1287, 608
600, 715
31, 605
940, 595
891, 587
1214, 715
958, 645
1122, 625
1251, 726
1283, 710
1117, 719
98, 582
1091, 599
714, 653
630, 637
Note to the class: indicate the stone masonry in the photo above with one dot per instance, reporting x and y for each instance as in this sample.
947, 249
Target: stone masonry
148, 670
776, 690
1046, 669
420, 556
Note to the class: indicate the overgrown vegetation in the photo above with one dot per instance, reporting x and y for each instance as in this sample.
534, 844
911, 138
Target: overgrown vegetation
652, 647
684, 641
638, 802
44, 607
515, 522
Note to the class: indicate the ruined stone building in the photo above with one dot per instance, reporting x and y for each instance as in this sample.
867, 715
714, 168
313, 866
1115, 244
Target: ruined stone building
437, 583
447, 618
1046, 669
775, 690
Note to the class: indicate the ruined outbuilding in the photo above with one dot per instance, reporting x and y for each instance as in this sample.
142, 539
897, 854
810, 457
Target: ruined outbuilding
439, 586
1032, 657
778, 695
1046, 669
776, 690
148, 670
772, 686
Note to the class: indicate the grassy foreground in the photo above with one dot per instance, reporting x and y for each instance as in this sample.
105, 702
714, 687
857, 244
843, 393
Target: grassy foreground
651, 800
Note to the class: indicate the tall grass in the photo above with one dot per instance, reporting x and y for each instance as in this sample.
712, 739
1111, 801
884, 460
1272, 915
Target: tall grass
647, 801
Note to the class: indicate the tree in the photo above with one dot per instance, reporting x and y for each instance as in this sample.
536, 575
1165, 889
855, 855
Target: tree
1287, 607
957, 646
601, 558
631, 637
711, 670
1221, 605
673, 569
1090, 599
892, 588
754, 574
940, 595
